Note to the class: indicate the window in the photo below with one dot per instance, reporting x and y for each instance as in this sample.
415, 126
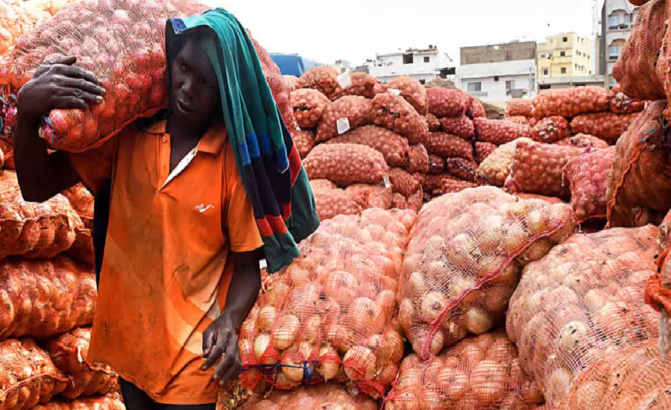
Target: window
546, 71
576, 66
613, 52
496, 78
422, 81
562, 54
427, 59
474, 87
577, 53
565, 39
563, 70
612, 21
510, 85
408, 59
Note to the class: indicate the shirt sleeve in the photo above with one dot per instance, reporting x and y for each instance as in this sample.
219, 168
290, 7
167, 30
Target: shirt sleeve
95, 166
240, 224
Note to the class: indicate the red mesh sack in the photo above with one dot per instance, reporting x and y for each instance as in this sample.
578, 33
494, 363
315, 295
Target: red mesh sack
358, 83
436, 164
87, 403
43, 298
588, 178
433, 182
418, 159
394, 113
494, 170
328, 315
304, 141
81, 201
123, 44
377, 196
327, 396
639, 185
584, 141
636, 70
483, 150
398, 201
463, 262
606, 126
482, 372
433, 122
412, 91
462, 168
460, 126
345, 164
18, 16
551, 129
518, 119
393, 146
539, 168
8, 154
28, 375
332, 201
570, 102
68, 352
620, 103
451, 186
448, 102
500, 132
31, 229
290, 82
380, 88
82, 249
548, 199
476, 109
449, 146
323, 79
308, 106
522, 107
402, 182
345, 114
580, 304
416, 200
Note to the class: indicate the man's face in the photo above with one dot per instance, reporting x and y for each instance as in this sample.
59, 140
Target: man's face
195, 90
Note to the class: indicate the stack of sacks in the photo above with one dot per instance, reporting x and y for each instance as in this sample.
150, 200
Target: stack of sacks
520, 111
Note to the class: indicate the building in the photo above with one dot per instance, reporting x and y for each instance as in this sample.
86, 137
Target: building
618, 18
565, 55
557, 83
497, 73
341, 66
422, 64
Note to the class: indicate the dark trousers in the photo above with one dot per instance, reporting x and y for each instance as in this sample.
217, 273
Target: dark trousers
136, 399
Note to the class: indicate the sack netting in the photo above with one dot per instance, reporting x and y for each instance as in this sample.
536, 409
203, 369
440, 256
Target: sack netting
664, 63
620, 103
413, 92
520, 119
81, 201
464, 259
449, 146
34, 230
329, 315
460, 126
571, 102
483, 150
357, 83
393, 146
451, 186
606, 125
88, 403
309, 106
500, 132
291, 82
584, 141
345, 164
433, 122
581, 304
658, 290
377, 196
494, 169
587, 175
436, 164
418, 159
520, 107
462, 168
304, 141
448, 102
480, 372
323, 79
332, 201
347, 113
395, 113
69, 352
551, 129
327, 396
403, 182
476, 109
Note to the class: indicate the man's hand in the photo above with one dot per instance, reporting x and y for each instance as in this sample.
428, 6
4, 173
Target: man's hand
220, 344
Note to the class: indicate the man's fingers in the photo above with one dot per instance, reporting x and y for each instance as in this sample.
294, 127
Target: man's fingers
77, 72
212, 357
67, 60
229, 367
208, 342
70, 102
82, 84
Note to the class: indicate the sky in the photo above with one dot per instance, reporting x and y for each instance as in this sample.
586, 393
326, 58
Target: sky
355, 30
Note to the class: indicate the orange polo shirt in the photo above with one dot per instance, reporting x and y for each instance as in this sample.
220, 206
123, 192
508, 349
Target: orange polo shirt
165, 270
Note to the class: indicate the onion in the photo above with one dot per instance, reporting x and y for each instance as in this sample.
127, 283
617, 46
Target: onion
284, 382
497, 298
359, 364
429, 399
387, 373
435, 365
406, 400
303, 301
267, 318
471, 355
330, 310
411, 362
277, 294
286, 331
406, 313
437, 271
298, 276
311, 329
391, 347
328, 364
412, 263
451, 362
514, 238
588, 393
248, 329
307, 351
489, 381
292, 367
341, 286
433, 304
438, 342
340, 337
386, 300
574, 336
363, 317
416, 286
478, 321
261, 344
559, 385
453, 382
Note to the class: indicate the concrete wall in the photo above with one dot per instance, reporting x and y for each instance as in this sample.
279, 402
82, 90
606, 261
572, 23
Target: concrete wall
494, 76
498, 53
391, 65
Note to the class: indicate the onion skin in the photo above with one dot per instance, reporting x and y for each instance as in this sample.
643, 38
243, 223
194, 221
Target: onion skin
286, 332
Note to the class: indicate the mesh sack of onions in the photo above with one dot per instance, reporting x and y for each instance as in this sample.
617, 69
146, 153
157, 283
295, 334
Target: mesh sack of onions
551, 129
464, 262
448, 103
357, 83
304, 141
81, 201
587, 175
112, 402
323, 79
347, 113
570, 102
432, 183
380, 88
500, 132
620, 103
377, 196
329, 315
549, 199
398, 201
436, 164
28, 375
34, 230
68, 352
416, 200
480, 372
449, 146
326, 396
7, 154
522, 107
539, 168
332, 201
413, 92
639, 187
483, 150
584, 141
636, 70
345, 164
403, 182
418, 159
476, 109
28, 286
291, 82
606, 125
580, 304
309, 106
518, 119
494, 170
462, 168
123, 45
393, 146
451, 186
460, 126
394, 113
433, 122
657, 292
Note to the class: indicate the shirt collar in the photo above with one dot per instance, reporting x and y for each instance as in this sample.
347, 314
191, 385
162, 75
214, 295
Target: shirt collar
212, 141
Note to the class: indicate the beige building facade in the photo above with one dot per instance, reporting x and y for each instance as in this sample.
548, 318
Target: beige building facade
565, 55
